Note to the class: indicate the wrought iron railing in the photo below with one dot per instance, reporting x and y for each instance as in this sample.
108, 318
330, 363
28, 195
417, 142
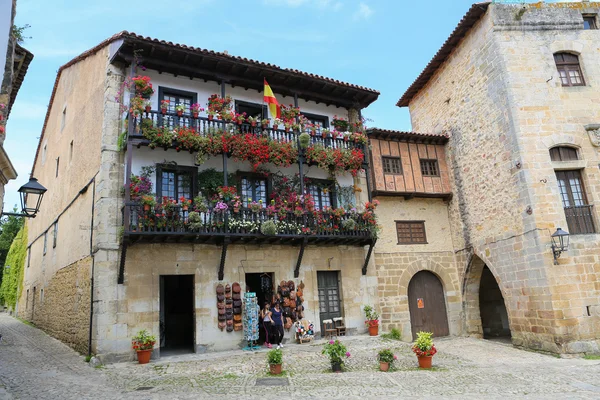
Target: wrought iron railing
205, 126
580, 219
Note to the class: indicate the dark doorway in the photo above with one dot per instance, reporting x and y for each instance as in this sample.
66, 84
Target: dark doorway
176, 314
262, 285
427, 305
329, 296
494, 318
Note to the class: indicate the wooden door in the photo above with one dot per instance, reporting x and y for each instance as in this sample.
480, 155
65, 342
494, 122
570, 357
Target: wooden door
427, 305
329, 296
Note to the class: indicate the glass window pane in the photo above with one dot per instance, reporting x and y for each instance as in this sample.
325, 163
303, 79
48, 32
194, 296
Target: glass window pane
168, 184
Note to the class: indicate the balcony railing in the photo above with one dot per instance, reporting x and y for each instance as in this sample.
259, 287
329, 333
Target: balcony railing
580, 219
205, 126
244, 225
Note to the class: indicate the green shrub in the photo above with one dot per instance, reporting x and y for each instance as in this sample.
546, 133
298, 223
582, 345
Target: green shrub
268, 228
275, 357
394, 334
386, 356
13, 277
304, 140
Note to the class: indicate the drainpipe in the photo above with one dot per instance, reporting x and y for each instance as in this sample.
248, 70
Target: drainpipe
93, 262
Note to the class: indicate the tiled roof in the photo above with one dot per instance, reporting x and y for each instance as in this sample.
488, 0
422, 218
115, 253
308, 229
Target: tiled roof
476, 11
21, 65
388, 134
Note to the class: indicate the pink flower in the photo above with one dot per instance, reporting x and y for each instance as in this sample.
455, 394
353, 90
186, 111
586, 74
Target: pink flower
331, 342
395, 357
347, 354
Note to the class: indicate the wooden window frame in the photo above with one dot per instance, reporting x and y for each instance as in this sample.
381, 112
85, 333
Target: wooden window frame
179, 170
389, 172
237, 103
175, 92
592, 21
430, 160
255, 176
408, 222
314, 117
332, 193
569, 66
562, 154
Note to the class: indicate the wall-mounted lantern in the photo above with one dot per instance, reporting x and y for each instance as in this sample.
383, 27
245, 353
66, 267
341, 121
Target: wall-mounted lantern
560, 243
31, 195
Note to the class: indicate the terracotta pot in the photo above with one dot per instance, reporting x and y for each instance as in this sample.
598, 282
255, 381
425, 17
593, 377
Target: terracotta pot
373, 330
146, 207
240, 122
275, 369
287, 129
265, 126
253, 124
275, 127
195, 115
184, 208
324, 135
179, 113
425, 361
210, 117
163, 111
236, 209
336, 367
384, 366
144, 356
148, 109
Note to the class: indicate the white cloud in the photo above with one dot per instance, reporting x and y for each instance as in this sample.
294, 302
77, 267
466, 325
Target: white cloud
363, 12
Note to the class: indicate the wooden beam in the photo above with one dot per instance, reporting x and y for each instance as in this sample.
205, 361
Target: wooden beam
223, 257
366, 264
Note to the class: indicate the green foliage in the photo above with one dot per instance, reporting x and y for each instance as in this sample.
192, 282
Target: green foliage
336, 351
268, 228
387, 356
122, 141
8, 230
209, 180
275, 357
143, 340
13, 277
424, 341
349, 224
18, 31
394, 334
370, 313
592, 357
304, 140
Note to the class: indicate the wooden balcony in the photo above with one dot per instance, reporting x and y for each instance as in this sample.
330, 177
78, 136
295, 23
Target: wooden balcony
580, 219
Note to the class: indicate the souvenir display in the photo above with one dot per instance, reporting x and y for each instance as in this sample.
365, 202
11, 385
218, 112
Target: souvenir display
304, 331
250, 318
221, 307
229, 307
291, 301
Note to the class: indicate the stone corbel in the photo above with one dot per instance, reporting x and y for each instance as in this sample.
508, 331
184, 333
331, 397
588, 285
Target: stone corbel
593, 131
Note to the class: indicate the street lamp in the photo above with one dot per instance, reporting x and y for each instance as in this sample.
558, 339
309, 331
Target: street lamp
560, 243
31, 198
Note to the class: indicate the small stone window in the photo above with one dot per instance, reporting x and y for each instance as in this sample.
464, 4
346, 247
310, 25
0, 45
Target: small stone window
563, 153
392, 165
589, 22
569, 69
411, 232
430, 168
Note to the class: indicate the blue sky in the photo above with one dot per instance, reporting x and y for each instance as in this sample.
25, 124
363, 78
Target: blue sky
381, 44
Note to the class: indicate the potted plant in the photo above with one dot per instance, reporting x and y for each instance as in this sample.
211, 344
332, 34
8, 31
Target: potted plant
275, 359
304, 140
180, 108
287, 126
143, 343
340, 124
276, 123
386, 359
325, 132
143, 87
148, 106
372, 321
265, 123
185, 203
196, 109
148, 201
336, 352
424, 349
137, 106
211, 114
252, 121
240, 118
164, 106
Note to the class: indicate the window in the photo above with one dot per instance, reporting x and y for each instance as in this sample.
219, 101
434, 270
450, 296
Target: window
44, 153
320, 121
563, 154
411, 232
63, 118
175, 182
57, 164
71, 151
589, 22
253, 188
322, 194
578, 212
251, 109
45, 242
55, 235
430, 168
176, 97
392, 165
569, 69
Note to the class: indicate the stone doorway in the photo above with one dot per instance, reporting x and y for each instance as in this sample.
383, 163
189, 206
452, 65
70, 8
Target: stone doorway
177, 319
427, 305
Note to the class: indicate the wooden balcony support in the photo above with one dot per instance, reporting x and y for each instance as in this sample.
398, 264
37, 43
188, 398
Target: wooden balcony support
121, 277
226, 242
368, 258
300, 255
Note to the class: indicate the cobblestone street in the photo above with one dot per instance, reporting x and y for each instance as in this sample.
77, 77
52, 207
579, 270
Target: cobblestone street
36, 366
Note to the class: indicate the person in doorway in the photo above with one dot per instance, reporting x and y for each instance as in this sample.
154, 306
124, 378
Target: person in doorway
267, 322
277, 317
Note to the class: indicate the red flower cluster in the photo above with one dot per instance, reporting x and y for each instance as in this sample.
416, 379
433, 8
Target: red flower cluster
143, 86
424, 353
336, 160
218, 104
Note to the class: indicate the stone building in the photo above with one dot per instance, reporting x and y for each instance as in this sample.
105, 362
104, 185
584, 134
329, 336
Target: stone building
159, 267
515, 88
14, 60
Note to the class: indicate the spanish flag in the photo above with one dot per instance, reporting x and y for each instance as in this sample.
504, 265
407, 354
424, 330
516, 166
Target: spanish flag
271, 101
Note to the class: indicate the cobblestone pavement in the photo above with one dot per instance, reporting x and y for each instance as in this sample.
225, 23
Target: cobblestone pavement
36, 366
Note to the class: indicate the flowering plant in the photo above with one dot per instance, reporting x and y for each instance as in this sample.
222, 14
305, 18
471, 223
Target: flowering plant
162, 137
240, 118
289, 113
252, 120
164, 105
221, 207
371, 315
226, 192
188, 139
139, 186
196, 108
143, 341
265, 122
148, 200
137, 106
255, 207
387, 356
336, 159
423, 346
218, 104
143, 87
211, 113
336, 351
371, 206
277, 122
340, 124
168, 205
227, 115
185, 202
180, 107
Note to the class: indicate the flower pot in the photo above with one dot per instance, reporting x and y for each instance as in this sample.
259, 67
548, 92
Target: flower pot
425, 361
373, 330
148, 109
275, 369
210, 117
184, 208
236, 209
275, 127
144, 356
240, 122
265, 126
195, 114
163, 111
324, 135
179, 113
336, 367
384, 366
146, 207
253, 124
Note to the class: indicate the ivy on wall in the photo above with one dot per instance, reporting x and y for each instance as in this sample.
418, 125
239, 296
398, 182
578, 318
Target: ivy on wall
13, 276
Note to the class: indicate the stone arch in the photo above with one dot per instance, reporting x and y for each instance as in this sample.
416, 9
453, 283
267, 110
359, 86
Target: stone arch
472, 301
563, 140
567, 46
437, 269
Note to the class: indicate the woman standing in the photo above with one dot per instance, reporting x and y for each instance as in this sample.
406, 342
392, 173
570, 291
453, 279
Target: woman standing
265, 314
277, 317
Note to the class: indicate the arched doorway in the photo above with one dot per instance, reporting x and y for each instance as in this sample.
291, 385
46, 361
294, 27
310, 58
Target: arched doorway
427, 305
494, 318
